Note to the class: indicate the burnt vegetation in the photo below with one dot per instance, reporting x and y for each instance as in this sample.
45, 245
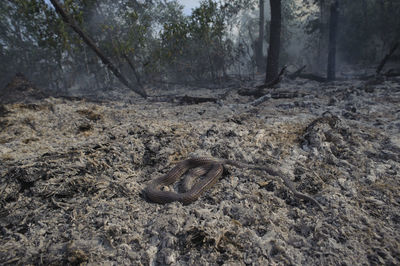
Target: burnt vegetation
99, 97
103, 44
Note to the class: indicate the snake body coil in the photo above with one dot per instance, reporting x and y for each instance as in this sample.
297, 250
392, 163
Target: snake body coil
213, 170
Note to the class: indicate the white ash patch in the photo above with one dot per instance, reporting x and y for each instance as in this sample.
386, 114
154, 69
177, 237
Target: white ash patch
73, 172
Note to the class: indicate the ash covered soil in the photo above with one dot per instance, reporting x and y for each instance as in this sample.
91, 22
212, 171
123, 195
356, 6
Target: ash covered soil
72, 173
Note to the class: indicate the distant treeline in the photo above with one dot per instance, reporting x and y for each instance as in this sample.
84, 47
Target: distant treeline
155, 41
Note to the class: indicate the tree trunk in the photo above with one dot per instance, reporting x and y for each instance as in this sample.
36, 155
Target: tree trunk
364, 6
323, 35
68, 20
132, 66
274, 41
384, 25
260, 44
333, 21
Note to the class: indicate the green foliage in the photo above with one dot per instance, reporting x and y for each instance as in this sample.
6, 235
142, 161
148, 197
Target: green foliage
160, 41
30, 33
195, 45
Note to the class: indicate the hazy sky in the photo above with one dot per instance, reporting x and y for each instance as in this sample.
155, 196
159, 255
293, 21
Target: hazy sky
189, 5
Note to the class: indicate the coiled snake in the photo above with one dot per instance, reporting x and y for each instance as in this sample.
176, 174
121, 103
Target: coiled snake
213, 170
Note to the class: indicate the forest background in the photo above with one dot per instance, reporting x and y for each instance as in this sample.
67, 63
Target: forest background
156, 42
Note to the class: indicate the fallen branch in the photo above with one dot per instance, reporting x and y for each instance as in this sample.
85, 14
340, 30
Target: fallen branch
297, 72
185, 100
273, 82
68, 20
259, 91
311, 76
262, 99
195, 100
392, 73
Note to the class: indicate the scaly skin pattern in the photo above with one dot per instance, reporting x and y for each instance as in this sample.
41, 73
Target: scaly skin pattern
213, 169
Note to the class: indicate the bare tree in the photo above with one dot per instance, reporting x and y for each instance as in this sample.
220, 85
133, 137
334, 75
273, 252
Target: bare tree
68, 20
275, 41
323, 39
260, 44
333, 22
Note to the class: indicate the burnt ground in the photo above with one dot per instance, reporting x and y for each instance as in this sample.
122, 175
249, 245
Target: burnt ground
72, 173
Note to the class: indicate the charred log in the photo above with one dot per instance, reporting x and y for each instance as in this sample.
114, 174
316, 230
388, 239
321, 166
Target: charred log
188, 100
259, 91
297, 72
311, 76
